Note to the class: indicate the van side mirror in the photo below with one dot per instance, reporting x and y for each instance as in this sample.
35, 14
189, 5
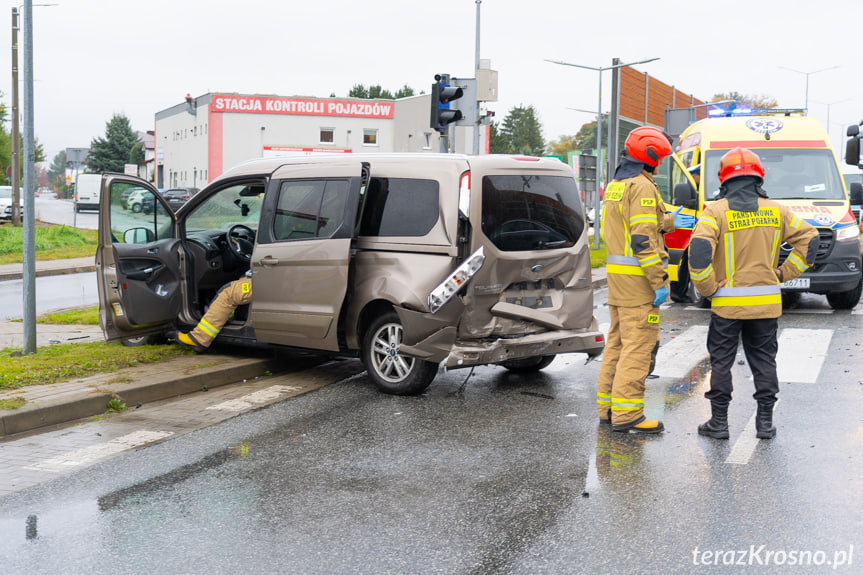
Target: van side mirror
855, 193
138, 236
691, 204
852, 150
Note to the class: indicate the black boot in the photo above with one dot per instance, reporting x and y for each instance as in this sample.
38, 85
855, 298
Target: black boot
717, 426
764, 422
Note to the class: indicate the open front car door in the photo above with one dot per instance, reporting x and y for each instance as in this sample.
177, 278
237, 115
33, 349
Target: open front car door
138, 261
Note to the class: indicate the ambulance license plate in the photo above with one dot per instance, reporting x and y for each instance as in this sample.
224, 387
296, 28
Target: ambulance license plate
796, 283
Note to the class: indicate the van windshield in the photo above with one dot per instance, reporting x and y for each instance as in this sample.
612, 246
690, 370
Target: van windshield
804, 174
531, 212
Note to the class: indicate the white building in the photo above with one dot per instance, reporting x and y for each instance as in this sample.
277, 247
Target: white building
198, 140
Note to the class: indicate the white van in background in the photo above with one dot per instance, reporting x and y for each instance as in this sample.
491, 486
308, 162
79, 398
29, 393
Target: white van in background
87, 192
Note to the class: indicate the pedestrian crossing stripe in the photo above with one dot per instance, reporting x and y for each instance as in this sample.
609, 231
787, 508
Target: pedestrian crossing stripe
801, 354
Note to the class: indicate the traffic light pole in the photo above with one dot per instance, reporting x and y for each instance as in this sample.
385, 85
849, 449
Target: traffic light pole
476, 123
29, 248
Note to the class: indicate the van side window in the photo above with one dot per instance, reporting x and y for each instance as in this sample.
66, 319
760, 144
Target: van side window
400, 207
309, 209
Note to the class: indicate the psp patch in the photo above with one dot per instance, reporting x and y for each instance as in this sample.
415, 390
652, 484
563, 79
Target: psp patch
653, 318
648, 202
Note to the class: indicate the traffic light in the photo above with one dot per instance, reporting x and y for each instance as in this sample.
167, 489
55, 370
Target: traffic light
442, 94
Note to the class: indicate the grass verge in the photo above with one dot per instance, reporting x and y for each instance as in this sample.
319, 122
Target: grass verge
57, 363
51, 243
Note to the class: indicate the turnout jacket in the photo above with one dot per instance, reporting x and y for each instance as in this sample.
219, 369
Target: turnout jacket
633, 220
742, 248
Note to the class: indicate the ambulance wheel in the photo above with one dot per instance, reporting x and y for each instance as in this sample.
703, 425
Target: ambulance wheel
528, 364
845, 299
790, 299
390, 371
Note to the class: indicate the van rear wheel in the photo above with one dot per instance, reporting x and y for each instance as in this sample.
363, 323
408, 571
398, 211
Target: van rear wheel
390, 371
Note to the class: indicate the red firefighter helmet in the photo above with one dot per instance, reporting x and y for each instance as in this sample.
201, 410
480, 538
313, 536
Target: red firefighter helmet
740, 162
648, 145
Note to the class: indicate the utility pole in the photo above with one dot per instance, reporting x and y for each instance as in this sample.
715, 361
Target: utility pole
29, 249
15, 164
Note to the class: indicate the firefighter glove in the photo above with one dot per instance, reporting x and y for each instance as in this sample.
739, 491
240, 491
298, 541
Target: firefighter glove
661, 295
683, 220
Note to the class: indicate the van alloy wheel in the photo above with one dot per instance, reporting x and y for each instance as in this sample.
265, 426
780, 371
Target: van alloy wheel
390, 371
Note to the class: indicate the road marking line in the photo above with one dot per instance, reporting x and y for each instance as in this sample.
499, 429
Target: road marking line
675, 358
745, 444
801, 354
809, 311
248, 401
90, 454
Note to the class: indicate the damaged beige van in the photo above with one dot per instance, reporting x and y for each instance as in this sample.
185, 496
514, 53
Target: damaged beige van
412, 261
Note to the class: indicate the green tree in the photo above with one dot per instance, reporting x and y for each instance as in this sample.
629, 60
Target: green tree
521, 132
111, 153
561, 146
5, 144
746, 100
405, 92
585, 139
377, 92
57, 171
497, 144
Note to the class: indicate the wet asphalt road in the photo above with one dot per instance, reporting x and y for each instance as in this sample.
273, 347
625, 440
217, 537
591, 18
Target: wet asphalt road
512, 476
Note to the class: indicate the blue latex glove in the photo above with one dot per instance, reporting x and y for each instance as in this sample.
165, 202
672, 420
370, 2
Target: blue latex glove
683, 220
661, 294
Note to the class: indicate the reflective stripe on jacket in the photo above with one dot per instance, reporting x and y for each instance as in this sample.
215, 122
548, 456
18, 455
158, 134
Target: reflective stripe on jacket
745, 251
632, 220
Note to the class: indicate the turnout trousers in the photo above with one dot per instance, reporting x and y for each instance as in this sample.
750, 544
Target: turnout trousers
629, 357
236, 293
759, 345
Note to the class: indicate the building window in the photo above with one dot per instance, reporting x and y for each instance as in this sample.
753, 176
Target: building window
370, 137
328, 135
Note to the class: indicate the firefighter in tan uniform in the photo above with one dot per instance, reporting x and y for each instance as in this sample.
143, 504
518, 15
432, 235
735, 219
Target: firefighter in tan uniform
633, 219
733, 259
236, 293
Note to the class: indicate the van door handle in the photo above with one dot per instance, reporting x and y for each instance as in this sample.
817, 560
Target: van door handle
270, 261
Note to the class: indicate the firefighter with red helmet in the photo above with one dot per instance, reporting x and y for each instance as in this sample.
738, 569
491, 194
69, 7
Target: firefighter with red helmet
734, 260
633, 220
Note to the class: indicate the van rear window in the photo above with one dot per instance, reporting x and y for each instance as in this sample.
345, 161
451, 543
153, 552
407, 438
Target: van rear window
400, 207
531, 212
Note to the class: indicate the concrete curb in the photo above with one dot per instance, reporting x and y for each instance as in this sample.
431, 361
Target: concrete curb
93, 400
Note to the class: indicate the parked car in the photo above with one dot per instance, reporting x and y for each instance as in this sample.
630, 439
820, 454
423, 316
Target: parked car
6, 203
178, 196
410, 261
136, 198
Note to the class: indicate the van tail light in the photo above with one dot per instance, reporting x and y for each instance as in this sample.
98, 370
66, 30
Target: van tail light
450, 286
464, 194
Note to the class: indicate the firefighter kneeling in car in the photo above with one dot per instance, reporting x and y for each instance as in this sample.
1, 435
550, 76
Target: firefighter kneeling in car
633, 219
734, 260
232, 295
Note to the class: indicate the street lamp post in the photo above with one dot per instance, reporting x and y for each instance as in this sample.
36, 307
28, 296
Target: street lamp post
600, 69
807, 74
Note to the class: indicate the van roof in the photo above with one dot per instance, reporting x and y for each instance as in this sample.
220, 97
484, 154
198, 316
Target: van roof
484, 162
755, 132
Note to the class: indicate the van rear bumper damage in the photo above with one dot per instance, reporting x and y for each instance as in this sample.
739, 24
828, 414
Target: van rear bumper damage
441, 345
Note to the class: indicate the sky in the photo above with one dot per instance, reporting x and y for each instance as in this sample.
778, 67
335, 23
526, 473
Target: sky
93, 59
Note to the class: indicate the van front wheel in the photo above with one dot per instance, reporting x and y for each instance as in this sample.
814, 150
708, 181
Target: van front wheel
390, 371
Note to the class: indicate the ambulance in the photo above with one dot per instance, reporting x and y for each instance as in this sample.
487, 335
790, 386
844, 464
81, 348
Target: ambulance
801, 172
